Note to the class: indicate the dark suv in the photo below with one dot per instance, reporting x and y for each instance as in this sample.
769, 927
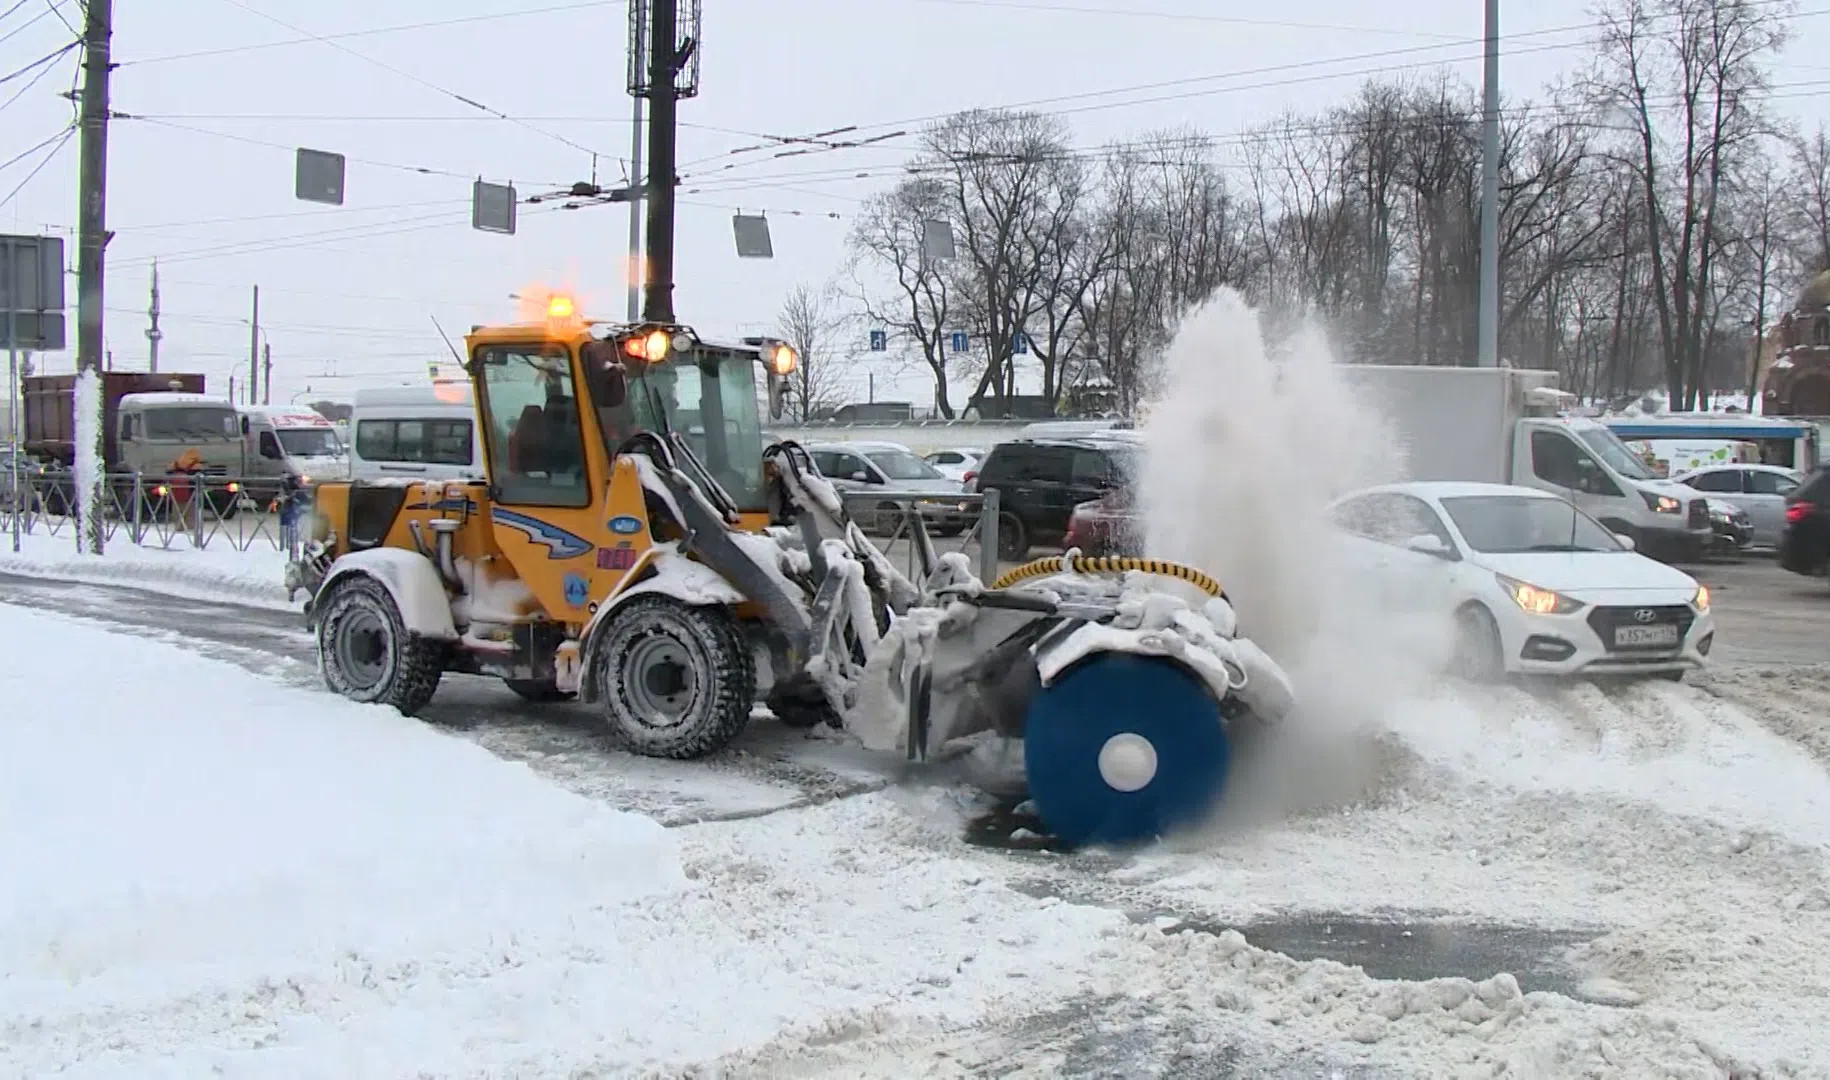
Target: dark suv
1040, 481
1804, 547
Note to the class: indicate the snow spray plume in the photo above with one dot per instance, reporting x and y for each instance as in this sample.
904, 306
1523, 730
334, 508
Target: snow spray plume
1245, 451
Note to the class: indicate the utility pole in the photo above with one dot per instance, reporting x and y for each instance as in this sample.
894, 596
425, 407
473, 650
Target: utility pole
92, 244
663, 42
267, 382
1489, 319
663, 68
154, 335
254, 346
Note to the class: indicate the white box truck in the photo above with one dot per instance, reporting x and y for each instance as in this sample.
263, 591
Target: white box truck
1501, 426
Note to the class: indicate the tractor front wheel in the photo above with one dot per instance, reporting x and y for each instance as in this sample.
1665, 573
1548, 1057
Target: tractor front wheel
677, 679
367, 654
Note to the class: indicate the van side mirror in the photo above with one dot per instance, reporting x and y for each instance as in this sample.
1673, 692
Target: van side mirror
246, 426
604, 368
1626, 541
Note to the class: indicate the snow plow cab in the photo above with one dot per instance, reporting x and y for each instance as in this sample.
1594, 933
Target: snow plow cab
634, 545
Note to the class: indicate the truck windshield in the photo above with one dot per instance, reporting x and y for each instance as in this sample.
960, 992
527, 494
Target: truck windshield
191, 422
310, 442
1608, 447
711, 403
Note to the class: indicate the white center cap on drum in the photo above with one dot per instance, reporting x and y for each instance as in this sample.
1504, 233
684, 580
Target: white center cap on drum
1127, 762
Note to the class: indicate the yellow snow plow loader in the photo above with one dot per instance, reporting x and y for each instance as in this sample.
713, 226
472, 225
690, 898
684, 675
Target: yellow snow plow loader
636, 546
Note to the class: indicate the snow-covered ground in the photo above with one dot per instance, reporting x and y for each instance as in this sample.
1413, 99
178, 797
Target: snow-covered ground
267, 881
217, 571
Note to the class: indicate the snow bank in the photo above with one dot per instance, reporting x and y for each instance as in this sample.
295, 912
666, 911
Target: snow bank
192, 851
216, 572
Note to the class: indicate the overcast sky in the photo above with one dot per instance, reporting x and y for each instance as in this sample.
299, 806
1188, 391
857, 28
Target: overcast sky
203, 179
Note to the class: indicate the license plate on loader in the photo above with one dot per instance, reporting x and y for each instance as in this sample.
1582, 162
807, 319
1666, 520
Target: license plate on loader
1640, 637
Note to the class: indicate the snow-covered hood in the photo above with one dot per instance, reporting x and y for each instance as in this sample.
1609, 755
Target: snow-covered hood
1591, 575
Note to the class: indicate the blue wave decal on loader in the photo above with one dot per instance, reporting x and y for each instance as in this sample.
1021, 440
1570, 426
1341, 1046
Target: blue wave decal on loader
559, 543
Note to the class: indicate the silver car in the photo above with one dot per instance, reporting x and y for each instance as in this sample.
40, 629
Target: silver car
893, 469
1760, 490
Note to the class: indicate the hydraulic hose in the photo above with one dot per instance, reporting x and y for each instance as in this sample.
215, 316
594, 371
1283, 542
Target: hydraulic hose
1110, 564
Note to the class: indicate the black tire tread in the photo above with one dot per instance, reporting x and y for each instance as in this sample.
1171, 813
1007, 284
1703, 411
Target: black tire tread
733, 689
1013, 538
1474, 617
420, 663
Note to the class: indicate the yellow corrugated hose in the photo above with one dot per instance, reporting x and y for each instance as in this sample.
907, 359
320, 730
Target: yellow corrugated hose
1110, 564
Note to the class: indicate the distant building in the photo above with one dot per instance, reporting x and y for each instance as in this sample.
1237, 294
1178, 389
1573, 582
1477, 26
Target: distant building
1797, 381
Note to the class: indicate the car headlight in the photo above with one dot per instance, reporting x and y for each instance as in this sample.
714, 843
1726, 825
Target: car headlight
1701, 600
1535, 600
1661, 504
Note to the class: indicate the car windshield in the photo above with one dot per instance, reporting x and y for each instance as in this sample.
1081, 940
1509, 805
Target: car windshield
902, 465
1510, 524
1608, 447
310, 442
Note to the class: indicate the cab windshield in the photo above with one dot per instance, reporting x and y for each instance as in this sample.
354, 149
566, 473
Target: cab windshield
711, 402
310, 442
1608, 446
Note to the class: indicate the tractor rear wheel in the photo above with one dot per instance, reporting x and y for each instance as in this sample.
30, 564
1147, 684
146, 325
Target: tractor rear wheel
367, 654
677, 679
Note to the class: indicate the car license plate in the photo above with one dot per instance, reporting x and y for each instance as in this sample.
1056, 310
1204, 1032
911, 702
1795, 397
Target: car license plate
1642, 636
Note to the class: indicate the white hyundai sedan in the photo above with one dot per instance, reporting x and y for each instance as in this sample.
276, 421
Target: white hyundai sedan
1533, 584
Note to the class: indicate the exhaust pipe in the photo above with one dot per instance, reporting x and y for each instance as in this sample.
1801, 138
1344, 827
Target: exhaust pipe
446, 561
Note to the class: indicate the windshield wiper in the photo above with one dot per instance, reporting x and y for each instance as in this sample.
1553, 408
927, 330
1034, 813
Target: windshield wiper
1560, 547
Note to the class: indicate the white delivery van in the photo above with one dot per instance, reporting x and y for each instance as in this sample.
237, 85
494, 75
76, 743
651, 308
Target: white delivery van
414, 432
292, 440
1501, 426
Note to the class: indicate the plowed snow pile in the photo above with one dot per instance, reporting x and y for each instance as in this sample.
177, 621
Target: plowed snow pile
1688, 830
203, 873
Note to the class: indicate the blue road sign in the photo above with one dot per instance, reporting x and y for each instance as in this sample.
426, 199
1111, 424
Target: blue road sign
1019, 344
958, 341
880, 341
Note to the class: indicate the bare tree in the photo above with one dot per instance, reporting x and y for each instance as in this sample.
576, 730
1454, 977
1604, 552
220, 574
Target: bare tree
1810, 195
1686, 76
810, 322
1763, 249
918, 303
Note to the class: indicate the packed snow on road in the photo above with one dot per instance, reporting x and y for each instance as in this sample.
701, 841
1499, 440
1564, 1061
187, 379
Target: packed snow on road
216, 873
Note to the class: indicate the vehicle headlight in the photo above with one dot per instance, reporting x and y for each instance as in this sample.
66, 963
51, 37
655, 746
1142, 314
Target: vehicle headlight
1535, 600
1661, 504
1701, 600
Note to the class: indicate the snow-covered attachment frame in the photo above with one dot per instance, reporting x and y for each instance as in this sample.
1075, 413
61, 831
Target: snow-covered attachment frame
1106, 690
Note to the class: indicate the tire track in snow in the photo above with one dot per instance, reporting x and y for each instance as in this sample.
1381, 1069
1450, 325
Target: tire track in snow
1792, 704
